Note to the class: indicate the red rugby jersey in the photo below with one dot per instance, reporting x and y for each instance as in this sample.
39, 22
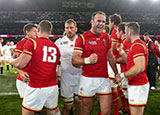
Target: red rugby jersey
19, 49
114, 38
45, 56
126, 46
138, 48
90, 43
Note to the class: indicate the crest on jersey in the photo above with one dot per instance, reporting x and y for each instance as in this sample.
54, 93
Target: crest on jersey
104, 42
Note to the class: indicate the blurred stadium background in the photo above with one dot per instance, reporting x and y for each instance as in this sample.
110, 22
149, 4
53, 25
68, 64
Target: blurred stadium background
14, 14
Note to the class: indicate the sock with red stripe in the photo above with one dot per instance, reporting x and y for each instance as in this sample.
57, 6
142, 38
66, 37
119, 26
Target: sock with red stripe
115, 103
123, 100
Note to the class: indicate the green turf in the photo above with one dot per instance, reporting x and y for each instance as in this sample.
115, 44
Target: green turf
11, 104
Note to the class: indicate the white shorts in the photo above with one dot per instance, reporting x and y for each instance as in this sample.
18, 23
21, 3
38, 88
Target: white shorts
67, 90
37, 98
138, 95
112, 75
91, 86
21, 87
7, 58
124, 84
1, 58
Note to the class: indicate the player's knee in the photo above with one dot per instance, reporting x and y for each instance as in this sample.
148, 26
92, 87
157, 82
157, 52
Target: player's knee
68, 101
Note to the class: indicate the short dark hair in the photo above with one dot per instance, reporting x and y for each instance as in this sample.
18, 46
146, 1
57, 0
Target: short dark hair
69, 21
98, 12
28, 27
146, 34
134, 27
45, 26
116, 18
121, 27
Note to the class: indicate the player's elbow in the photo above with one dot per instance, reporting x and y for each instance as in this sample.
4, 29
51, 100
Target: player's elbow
74, 61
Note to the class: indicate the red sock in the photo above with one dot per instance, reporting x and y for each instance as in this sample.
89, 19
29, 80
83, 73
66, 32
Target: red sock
123, 100
99, 113
115, 103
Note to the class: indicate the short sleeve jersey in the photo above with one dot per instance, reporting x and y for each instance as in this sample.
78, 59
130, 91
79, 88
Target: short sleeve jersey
138, 48
69, 73
114, 38
44, 58
126, 47
19, 49
89, 43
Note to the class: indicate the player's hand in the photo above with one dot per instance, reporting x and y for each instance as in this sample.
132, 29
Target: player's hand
24, 76
119, 47
118, 78
93, 58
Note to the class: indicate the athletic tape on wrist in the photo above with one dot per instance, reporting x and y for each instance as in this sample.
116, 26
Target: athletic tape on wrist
87, 61
121, 52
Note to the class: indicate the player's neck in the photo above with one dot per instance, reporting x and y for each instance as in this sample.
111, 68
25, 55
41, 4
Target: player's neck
43, 35
134, 38
115, 27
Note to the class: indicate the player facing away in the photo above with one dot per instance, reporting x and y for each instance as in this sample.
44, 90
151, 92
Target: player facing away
1, 56
30, 31
126, 46
70, 75
137, 58
42, 89
92, 50
114, 20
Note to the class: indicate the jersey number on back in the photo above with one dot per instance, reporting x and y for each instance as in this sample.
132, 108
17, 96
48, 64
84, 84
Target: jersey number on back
53, 52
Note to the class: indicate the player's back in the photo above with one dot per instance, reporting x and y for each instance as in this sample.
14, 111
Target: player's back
45, 56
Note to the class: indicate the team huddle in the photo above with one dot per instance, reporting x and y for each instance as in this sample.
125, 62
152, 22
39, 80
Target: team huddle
91, 65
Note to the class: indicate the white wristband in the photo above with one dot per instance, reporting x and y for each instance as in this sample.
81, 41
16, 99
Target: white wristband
87, 61
122, 75
121, 52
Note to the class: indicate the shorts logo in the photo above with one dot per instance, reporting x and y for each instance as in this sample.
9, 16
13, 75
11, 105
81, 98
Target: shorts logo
132, 100
81, 89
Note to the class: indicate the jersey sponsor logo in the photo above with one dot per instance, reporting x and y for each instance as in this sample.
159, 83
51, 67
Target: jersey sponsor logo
71, 45
64, 43
92, 43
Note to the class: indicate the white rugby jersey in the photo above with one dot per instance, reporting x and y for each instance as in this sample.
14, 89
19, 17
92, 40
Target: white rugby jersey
1, 49
7, 50
69, 73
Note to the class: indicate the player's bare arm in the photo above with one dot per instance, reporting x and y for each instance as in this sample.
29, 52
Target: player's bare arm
123, 58
77, 60
21, 61
112, 61
139, 66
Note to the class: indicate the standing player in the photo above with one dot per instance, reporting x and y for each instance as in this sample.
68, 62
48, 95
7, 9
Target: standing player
1, 56
152, 62
30, 31
126, 45
92, 50
70, 75
114, 20
43, 55
7, 53
137, 58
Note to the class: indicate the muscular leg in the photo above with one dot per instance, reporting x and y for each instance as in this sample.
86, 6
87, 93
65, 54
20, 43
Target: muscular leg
66, 109
78, 106
27, 112
51, 112
105, 104
136, 110
87, 106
